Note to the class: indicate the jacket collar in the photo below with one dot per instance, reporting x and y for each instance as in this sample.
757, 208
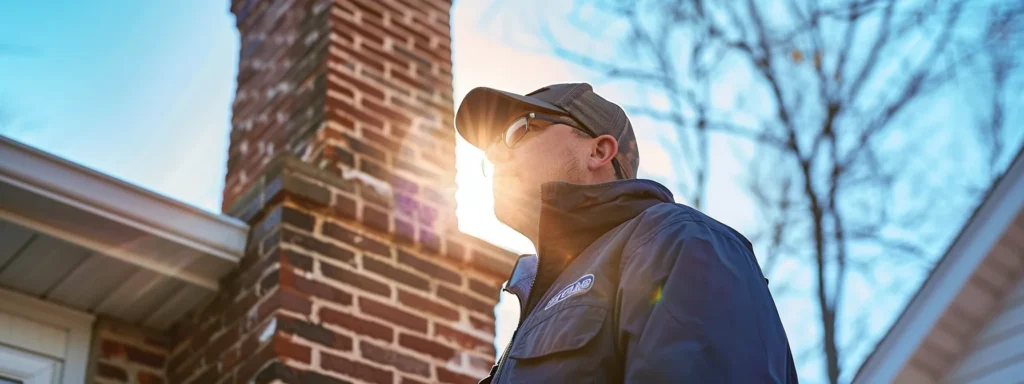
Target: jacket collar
573, 216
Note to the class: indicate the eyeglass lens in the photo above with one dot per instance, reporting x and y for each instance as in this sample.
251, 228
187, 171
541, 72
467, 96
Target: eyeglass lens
515, 131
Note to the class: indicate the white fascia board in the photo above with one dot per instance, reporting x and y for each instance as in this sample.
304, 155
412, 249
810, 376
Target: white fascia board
72, 184
971, 247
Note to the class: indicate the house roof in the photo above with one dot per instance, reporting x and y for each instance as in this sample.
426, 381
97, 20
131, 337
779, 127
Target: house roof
75, 236
962, 291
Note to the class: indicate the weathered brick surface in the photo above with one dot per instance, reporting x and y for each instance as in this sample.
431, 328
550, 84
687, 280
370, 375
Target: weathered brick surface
127, 354
342, 162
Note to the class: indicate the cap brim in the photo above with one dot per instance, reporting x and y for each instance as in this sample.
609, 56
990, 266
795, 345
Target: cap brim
484, 112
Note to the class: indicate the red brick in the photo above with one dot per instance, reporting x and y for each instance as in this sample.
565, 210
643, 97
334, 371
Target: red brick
406, 204
375, 218
341, 234
298, 219
485, 289
426, 346
481, 363
237, 309
389, 272
371, 245
144, 377
144, 357
379, 139
424, 304
207, 375
286, 349
291, 258
273, 371
294, 301
405, 232
402, 75
446, 376
269, 282
355, 369
463, 300
387, 356
427, 215
455, 251
409, 380
112, 349
356, 324
182, 356
433, 195
314, 333
222, 342
367, 9
404, 185
491, 265
430, 269
114, 372
378, 51
252, 364
343, 77
344, 25
392, 314
313, 377
413, 169
361, 147
229, 359
315, 288
387, 112
252, 342
365, 243
482, 324
462, 339
186, 369
321, 247
355, 279
430, 241
347, 108
344, 206
267, 224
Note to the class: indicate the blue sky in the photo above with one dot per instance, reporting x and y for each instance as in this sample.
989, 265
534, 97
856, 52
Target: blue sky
142, 90
137, 89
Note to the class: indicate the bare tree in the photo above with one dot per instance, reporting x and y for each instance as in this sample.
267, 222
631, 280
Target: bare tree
1002, 62
838, 98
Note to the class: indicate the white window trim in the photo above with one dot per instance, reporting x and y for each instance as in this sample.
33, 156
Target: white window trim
78, 325
28, 368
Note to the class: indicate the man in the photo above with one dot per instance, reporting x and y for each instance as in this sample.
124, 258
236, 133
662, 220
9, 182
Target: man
626, 286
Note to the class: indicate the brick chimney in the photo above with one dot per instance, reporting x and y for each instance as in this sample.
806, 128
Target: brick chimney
342, 161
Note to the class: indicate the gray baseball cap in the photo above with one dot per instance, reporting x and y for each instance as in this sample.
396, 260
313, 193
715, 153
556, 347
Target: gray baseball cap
485, 112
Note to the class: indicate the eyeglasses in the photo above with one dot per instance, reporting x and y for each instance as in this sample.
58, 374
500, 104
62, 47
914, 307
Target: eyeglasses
522, 125
519, 127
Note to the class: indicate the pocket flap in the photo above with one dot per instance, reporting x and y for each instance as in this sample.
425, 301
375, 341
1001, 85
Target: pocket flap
568, 329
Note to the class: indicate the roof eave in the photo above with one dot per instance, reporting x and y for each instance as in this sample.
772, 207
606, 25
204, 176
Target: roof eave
969, 249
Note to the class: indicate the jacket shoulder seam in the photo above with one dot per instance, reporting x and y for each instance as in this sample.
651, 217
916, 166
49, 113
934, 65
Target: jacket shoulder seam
653, 235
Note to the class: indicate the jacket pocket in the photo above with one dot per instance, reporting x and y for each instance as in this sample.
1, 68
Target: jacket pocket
568, 329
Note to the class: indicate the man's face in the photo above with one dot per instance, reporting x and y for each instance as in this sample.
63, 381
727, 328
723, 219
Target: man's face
548, 152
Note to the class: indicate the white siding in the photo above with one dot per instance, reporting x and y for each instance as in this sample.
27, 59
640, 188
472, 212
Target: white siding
997, 354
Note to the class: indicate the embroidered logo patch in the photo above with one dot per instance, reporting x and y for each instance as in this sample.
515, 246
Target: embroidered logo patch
578, 287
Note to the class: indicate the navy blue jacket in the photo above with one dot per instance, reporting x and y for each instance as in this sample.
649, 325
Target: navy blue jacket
628, 286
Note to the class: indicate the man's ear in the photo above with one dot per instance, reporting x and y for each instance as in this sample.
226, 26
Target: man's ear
603, 150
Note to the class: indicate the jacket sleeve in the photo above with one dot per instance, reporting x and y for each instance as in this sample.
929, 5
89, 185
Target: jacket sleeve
694, 307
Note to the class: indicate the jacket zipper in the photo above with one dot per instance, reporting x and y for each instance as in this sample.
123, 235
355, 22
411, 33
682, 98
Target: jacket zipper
508, 348
504, 356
